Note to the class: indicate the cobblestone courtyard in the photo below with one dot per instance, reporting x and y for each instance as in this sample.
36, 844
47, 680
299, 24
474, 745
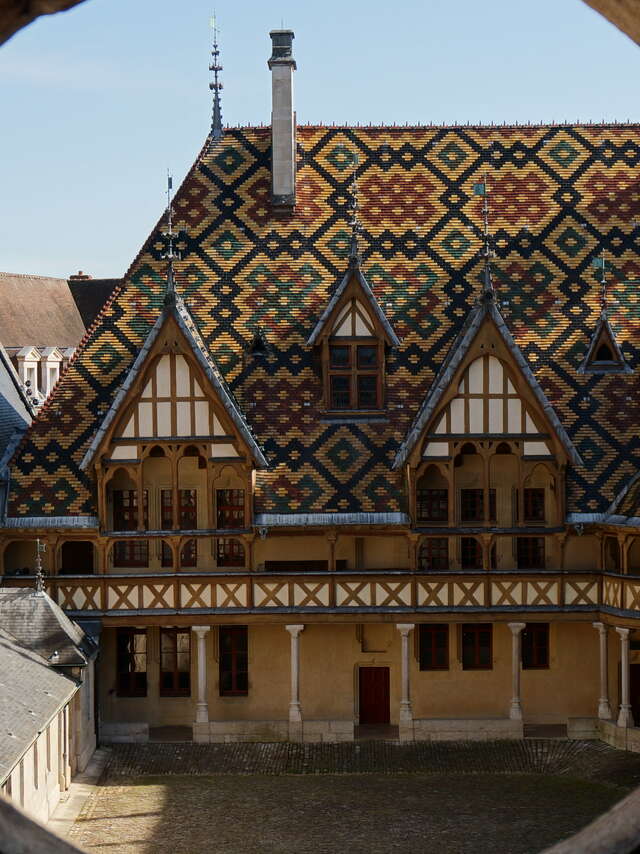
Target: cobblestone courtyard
373, 797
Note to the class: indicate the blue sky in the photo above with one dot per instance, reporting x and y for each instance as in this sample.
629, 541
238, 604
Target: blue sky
99, 101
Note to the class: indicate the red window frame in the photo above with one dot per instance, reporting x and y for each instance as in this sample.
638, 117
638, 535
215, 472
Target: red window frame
229, 552
472, 505
175, 662
131, 662
230, 509
433, 555
432, 505
125, 509
348, 377
433, 642
471, 553
535, 646
530, 552
234, 663
534, 499
477, 646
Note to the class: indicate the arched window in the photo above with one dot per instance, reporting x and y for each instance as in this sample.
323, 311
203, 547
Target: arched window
611, 554
470, 553
432, 497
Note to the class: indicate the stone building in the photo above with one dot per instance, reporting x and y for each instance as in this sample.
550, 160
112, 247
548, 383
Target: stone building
47, 714
356, 445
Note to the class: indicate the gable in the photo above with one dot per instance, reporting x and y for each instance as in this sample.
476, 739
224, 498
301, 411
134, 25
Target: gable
353, 321
486, 404
604, 355
173, 392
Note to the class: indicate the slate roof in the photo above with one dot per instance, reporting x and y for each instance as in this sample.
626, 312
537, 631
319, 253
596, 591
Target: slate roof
15, 412
90, 295
31, 693
559, 195
38, 310
38, 623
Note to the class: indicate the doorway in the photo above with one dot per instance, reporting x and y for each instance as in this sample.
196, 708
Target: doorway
373, 694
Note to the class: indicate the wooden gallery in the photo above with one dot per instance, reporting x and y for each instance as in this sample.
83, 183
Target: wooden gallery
354, 444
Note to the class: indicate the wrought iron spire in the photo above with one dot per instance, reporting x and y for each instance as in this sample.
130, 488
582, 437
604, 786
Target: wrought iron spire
40, 547
355, 257
170, 255
487, 286
215, 85
601, 264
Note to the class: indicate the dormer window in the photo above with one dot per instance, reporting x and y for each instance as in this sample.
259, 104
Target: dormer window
354, 375
604, 355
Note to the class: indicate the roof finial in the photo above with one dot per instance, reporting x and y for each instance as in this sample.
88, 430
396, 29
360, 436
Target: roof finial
170, 255
354, 250
601, 264
482, 189
40, 547
215, 86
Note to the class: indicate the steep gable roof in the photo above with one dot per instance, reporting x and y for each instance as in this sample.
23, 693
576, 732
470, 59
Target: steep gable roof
243, 267
177, 309
38, 310
454, 358
604, 334
354, 272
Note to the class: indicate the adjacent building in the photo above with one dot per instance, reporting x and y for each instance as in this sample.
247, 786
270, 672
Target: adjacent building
354, 443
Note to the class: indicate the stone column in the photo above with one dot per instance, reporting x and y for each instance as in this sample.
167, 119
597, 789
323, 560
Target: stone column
201, 725
295, 709
406, 711
604, 708
515, 710
625, 718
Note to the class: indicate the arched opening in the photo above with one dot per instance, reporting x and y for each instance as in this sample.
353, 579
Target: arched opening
604, 354
229, 497
77, 558
633, 556
503, 493
156, 478
20, 557
189, 554
130, 554
504, 448
432, 496
166, 555
433, 554
469, 485
539, 487
470, 553
122, 500
612, 561
229, 552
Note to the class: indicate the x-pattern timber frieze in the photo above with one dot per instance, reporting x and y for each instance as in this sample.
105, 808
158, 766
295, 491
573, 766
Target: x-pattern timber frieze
255, 592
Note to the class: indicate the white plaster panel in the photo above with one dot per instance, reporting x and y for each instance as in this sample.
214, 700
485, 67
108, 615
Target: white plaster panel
156, 594
197, 391
435, 593
321, 594
217, 427
536, 449
183, 418
183, 388
436, 449
529, 426
202, 418
400, 593
496, 415
361, 327
476, 376
345, 590
496, 377
127, 433
271, 595
442, 425
203, 592
163, 414
476, 413
513, 591
223, 451
123, 452
457, 415
510, 388
146, 391
231, 595
514, 414
163, 377
145, 419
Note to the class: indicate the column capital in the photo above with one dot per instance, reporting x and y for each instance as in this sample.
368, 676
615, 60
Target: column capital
200, 630
516, 628
405, 628
600, 627
624, 633
295, 630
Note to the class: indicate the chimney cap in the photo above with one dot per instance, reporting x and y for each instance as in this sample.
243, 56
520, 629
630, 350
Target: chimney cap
282, 48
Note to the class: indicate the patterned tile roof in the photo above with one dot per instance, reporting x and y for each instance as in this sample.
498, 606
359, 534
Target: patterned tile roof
559, 195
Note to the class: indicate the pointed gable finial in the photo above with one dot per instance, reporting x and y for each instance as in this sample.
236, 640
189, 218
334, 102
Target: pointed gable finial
601, 264
354, 223
482, 189
215, 85
40, 547
170, 255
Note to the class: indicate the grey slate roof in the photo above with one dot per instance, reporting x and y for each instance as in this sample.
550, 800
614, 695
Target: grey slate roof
34, 523
90, 295
31, 693
274, 520
370, 297
15, 413
452, 362
38, 623
184, 320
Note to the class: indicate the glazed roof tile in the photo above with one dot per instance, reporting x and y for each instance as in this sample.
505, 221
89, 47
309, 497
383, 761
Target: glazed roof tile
559, 196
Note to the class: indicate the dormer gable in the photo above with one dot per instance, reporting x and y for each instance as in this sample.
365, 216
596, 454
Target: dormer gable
604, 355
174, 392
485, 390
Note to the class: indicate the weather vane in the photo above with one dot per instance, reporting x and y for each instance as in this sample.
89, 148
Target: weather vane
170, 254
601, 264
482, 189
215, 85
40, 547
354, 222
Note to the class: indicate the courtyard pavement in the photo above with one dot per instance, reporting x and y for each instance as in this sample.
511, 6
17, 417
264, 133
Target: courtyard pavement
508, 797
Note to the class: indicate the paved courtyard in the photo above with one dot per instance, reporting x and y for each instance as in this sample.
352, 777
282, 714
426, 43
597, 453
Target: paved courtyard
373, 797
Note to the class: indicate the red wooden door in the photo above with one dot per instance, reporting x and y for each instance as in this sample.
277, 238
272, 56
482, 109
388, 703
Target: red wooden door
374, 695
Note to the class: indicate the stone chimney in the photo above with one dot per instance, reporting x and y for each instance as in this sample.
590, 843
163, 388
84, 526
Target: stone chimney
283, 121
79, 277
